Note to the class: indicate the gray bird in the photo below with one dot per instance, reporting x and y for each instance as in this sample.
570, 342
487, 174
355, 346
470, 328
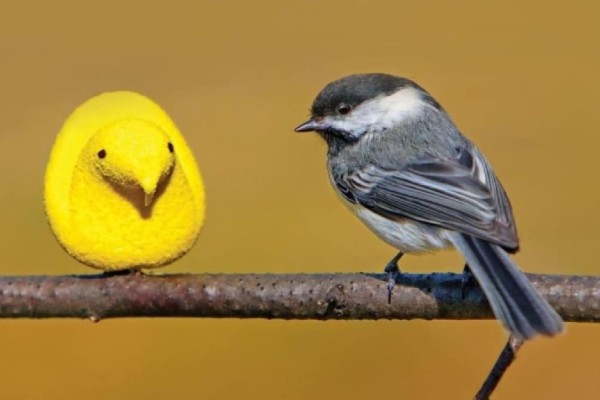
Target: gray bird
400, 164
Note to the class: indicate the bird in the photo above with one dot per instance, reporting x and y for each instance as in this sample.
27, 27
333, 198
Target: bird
398, 161
122, 189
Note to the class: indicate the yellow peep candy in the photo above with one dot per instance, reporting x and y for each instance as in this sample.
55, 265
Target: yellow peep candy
122, 188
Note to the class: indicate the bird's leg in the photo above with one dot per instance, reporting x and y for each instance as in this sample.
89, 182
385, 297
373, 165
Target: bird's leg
393, 271
467, 279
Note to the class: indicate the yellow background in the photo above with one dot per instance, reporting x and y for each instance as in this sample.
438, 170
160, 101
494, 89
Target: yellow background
521, 80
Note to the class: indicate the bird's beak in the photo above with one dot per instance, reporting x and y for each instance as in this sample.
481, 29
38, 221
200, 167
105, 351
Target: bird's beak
310, 126
149, 188
148, 197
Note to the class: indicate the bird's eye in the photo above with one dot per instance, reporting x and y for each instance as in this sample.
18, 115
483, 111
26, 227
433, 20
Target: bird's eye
102, 153
170, 146
344, 109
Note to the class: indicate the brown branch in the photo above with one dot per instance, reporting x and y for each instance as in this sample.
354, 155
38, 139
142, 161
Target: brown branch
318, 296
505, 359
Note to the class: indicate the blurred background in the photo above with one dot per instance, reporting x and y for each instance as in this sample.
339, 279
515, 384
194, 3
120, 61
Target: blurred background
519, 79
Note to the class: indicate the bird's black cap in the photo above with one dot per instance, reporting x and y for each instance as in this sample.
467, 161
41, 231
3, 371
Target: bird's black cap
355, 89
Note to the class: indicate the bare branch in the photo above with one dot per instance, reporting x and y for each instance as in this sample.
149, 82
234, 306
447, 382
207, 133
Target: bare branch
505, 359
319, 296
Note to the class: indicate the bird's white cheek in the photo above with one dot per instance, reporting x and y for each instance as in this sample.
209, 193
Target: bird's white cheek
383, 112
396, 108
352, 126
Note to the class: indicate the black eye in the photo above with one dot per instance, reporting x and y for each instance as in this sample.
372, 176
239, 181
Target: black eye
102, 153
170, 146
344, 109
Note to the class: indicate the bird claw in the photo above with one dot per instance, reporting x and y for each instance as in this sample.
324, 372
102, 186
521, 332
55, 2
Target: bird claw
466, 280
391, 284
392, 270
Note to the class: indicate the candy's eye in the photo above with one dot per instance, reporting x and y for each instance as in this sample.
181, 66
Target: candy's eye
344, 109
170, 146
102, 153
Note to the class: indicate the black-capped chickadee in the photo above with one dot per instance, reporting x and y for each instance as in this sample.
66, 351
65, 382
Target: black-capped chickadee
398, 161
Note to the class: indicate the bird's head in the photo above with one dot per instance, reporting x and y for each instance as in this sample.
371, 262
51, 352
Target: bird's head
132, 155
346, 109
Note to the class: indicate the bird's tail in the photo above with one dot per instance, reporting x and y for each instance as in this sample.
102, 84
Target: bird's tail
514, 300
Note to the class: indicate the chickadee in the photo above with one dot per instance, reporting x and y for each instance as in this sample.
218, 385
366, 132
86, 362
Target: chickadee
398, 161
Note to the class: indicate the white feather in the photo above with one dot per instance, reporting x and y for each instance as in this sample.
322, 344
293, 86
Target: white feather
480, 169
382, 112
407, 236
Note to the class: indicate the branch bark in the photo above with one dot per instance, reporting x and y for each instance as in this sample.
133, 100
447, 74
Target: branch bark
505, 359
286, 296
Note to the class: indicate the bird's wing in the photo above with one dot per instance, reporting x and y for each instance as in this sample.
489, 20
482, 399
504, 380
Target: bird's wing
460, 194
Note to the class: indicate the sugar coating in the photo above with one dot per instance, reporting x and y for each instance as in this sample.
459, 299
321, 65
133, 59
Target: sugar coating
122, 188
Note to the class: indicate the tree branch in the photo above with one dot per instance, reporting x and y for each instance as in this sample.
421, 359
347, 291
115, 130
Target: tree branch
287, 296
505, 359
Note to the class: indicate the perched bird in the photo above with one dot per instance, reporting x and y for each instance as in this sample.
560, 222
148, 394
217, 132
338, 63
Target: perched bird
122, 189
398, 161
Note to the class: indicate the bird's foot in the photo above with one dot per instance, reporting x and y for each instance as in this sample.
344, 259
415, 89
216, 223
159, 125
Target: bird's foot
392, 270
467, 280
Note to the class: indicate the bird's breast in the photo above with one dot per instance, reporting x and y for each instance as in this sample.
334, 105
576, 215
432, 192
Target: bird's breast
406, 235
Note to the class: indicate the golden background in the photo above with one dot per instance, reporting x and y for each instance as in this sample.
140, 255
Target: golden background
521, 80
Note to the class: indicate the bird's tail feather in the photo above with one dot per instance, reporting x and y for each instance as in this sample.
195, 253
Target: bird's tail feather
512, 297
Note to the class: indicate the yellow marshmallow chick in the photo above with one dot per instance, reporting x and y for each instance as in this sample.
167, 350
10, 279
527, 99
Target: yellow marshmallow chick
122, 188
